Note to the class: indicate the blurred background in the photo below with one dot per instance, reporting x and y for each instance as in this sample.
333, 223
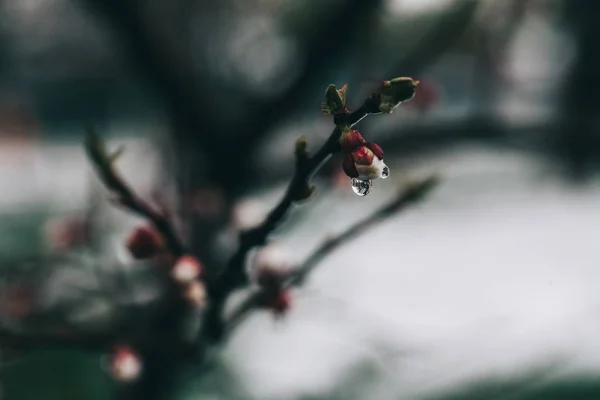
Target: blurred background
487, 290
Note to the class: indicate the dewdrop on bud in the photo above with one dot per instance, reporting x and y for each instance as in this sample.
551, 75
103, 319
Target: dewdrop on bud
144, 242
363, 162
186, 269
195, 294
124, 364
361, 188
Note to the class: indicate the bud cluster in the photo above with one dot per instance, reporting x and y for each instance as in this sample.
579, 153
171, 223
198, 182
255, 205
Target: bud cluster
362, 160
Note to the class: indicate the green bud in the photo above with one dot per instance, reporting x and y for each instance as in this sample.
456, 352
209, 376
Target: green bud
395, 92
301, 150
301, 145
335, 100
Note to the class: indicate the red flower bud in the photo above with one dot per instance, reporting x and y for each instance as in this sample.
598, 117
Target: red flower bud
144, 242
186, 269
350, 140
378, 151
124, 364
362, 156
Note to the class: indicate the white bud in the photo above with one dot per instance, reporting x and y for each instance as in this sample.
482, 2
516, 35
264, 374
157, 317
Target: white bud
186, 269
125, 364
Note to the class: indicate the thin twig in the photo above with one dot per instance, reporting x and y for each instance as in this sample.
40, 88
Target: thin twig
413, 193
124, 196
234, 274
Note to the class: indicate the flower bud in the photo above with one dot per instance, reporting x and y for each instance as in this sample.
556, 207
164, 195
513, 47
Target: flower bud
144, 242
395, 92
195, 294
273, 266
365, 163
335, 100
124, 364
301, 149
186, 269
350, 140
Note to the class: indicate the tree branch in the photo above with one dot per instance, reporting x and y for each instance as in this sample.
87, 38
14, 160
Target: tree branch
413, 193
299, 189
448, 29
124, 196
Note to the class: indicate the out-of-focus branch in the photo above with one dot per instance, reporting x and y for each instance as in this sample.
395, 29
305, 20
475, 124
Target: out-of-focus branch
29, 340
123, 195
451, 26
167, 345
413, 193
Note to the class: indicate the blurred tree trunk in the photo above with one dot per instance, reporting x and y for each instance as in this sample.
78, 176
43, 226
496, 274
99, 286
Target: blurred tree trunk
580, 103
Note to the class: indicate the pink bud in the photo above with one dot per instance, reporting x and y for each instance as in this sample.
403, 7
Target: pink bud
124, 364
350, 140
144, 242
362, 156
186, 269
376, 149
272, 266
195, 293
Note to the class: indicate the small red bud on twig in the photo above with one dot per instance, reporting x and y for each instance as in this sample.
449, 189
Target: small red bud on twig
362, 160
144, 242
124, 364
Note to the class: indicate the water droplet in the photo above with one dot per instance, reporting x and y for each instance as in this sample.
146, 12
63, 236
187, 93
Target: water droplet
385, 172
360, 187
